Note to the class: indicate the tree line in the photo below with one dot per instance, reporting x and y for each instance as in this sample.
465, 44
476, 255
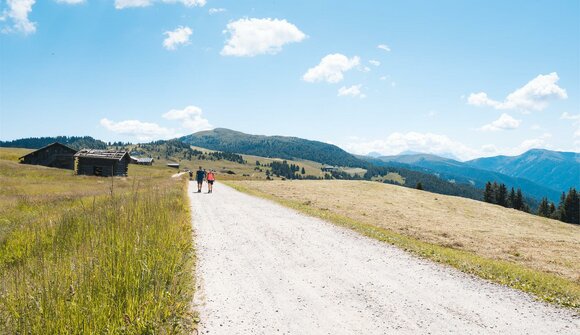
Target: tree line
568, 209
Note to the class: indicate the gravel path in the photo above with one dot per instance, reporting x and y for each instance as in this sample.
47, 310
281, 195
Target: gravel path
266, 269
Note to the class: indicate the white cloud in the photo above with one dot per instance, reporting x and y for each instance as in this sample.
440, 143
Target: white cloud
438, 144
120, 4
353, 91
190, 117
331, 68
384, 47
251, 37
383, 78
397, 142
505, 122
142, 131
17, 13
213, 11
179, 36
532, 96
374, 62
71, 2
190, 120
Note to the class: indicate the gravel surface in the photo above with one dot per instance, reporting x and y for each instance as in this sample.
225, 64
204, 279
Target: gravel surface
266, 269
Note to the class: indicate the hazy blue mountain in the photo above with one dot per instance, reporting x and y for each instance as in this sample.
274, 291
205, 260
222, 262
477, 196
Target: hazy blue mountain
460, 172
553, 169
272, 146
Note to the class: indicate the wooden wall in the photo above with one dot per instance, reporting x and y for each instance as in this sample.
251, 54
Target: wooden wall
103, 167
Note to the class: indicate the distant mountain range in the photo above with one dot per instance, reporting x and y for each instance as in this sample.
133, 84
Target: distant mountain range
553, 169
272, 146
538, 173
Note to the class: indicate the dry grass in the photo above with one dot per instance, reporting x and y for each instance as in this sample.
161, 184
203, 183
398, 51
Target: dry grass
533, 245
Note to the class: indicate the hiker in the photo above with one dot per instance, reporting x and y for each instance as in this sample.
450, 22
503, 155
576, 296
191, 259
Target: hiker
210, 179
200, 176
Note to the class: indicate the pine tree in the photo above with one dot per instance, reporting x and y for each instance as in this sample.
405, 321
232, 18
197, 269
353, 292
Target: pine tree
303, 171
544, 208
419, 186
501, 195
561, 211
512, 199
488, 195
572, 207
519, 201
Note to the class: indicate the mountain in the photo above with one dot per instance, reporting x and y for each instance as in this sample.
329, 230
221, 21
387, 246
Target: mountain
553, 169
75, 142
460, 172
272, 146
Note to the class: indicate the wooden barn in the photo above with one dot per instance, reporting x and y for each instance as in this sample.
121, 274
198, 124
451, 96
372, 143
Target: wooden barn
106, 163
142, 160
55, 155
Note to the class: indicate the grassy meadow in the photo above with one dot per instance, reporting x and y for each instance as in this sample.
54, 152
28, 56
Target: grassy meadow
81, 254
527, 252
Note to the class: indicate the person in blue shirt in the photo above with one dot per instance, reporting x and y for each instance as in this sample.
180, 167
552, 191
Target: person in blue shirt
200, 176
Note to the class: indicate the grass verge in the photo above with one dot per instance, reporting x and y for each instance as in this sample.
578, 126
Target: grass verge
95, 262
544, 286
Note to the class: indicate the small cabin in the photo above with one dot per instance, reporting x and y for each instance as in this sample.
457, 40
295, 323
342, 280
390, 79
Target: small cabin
141, 160
329, 168
173, 165
92, 162
55, 155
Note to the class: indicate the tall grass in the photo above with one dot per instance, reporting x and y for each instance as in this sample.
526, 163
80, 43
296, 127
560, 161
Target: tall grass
120, 263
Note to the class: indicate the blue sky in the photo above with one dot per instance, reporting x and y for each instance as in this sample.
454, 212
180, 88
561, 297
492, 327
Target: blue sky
447, 77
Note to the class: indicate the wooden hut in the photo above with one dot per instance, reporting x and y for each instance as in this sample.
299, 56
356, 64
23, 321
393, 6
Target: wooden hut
102, 162
55, 155
142, 160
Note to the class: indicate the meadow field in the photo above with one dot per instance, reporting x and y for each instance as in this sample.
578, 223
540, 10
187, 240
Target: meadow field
82, 254
524, 251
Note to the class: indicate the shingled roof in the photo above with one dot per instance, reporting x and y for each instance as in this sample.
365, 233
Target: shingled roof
102, 154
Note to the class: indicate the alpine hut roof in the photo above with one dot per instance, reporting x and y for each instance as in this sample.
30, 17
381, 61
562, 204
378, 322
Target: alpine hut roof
48, 146
102, 154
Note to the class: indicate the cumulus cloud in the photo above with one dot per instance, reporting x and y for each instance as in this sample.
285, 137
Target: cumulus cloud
439, 144
534, 95
213, 11
398, 142
190, 118
120, 4
505, 122
179, 36
71, 2
374, 62
384, 47
331, 68
17, 14
142, 131
353, 91
251, 37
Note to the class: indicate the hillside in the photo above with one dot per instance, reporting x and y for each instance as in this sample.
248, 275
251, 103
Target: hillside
552, 169
75, 142
460, 172
272, 146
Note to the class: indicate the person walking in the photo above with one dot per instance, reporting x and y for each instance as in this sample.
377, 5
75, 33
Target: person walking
210, 179
200, 176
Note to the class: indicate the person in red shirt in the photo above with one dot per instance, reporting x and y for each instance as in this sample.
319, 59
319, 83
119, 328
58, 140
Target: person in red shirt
210, 176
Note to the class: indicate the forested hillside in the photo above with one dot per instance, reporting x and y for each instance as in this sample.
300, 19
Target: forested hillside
75, 142
272, 146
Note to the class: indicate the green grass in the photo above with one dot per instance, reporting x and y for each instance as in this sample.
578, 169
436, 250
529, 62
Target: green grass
82, 255
544, 286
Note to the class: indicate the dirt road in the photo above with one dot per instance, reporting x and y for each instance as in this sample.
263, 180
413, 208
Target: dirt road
265, 269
